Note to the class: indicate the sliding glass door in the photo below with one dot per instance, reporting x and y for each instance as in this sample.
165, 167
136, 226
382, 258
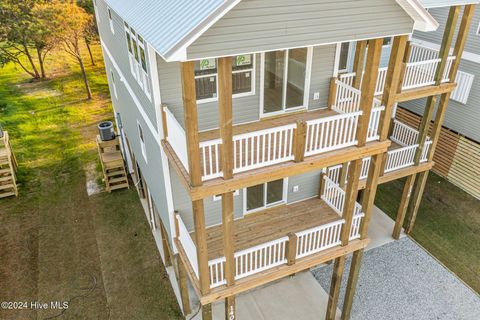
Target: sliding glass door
265, 195
284, 80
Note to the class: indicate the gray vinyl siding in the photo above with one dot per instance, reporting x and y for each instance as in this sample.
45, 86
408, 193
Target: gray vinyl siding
245, 109
441, 14
464, 119
461, 118
323, 64
213, 209
117, 45
308, 186
152, 167
267, 25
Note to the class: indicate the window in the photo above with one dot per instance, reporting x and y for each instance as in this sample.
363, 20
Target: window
206, 76
284, 80
142, 141
218, 197
138, 59
344, 53
265, 195
110, 19
478, 30
114, 86
464, 86
387, 41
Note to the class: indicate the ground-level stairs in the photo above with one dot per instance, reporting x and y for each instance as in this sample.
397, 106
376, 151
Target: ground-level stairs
113, 166
8, 167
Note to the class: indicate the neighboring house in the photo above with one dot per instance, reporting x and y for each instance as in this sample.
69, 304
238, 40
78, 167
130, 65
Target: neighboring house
240, 126
458, 158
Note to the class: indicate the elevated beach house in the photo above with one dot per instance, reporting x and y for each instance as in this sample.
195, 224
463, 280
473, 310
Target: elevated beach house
251, 127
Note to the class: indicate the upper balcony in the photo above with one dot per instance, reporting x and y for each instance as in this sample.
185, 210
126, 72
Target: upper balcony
291, 137
419, 70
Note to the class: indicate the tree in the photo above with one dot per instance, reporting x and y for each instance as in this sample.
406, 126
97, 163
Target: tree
92, 31
26, 26
16, 25
72, 27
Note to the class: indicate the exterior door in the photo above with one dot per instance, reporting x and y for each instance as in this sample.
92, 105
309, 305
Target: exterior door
284, 80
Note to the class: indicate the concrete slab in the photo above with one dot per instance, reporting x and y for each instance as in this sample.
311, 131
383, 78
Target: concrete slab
299, 297
380, 229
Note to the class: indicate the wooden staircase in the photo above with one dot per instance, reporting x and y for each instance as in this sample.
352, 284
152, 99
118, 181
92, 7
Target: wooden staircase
8, 167
113, 166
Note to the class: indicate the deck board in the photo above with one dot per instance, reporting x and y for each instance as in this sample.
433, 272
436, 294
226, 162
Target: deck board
270, 224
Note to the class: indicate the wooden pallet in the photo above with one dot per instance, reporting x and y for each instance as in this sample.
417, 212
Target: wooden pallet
113, 166
8, 167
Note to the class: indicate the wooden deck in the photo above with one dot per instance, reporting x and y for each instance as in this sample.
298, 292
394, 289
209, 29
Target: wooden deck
271, 122
270, 224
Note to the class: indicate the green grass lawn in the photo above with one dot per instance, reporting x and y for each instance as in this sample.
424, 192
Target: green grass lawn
448, 224
58, 243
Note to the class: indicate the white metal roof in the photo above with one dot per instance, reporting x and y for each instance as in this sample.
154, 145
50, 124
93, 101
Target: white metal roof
170, 26
446, 3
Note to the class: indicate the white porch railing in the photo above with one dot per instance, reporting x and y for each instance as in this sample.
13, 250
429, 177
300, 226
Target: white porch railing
403, 134
400, 158
425, 151
250, 261
331, 133
347, 98
319, 238
420, 70
187, 244
374, 124
263, 148
333, 173
210, 159
176, 137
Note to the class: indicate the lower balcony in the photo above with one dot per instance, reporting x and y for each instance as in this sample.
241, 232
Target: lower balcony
275, 236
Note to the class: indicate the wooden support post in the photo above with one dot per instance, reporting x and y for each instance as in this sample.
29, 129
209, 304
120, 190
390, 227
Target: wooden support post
321, 188
181, 274
207, 312
402, 209
352, 283
164, 121
332, 94
300, 141
464, 28
230, 308
187, 70
369, 83
291, 248
335, 285
226, 133
359, 63
342, 178
166, 247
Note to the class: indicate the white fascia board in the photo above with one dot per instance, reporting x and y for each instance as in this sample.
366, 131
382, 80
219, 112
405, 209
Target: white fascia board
422, 18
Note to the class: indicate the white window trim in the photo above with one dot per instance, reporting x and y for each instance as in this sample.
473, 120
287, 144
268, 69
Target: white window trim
235, 95
141, 133
143, 77
306, 91
110, 19
338, 53
478, 29
283, 201
388, 45
219, 197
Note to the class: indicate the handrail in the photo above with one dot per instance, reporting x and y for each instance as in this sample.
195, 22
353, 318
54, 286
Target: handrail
187, 244
176, 137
